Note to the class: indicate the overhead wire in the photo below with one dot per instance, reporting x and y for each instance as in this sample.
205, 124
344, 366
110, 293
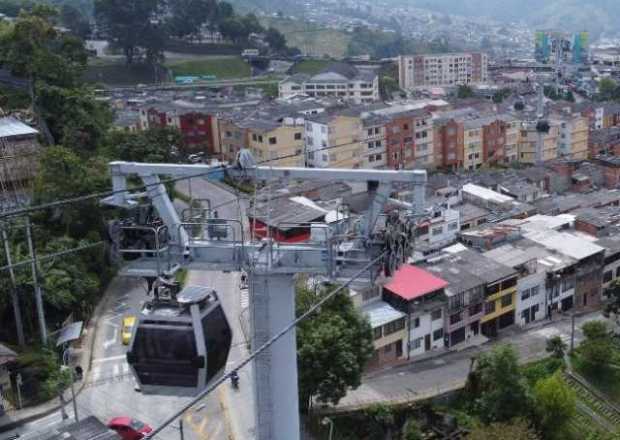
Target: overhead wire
263, 347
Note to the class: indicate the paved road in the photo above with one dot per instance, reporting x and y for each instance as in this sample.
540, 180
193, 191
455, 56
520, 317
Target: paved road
238, 405
429, 377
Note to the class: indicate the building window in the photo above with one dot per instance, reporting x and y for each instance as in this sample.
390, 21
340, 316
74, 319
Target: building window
417, 343
525, 294
608, 276
457, 317
453, 226
507, 300
416, 323
437, 334
377, 333
489, 307
475, 309
534, 290
273, 141
297, 136
437, 231
435, 315
254, 137
394, 326
387, 348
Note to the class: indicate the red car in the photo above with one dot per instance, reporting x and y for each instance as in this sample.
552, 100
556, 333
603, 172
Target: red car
128, 428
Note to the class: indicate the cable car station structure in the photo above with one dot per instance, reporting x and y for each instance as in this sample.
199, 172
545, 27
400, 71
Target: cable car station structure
344, 248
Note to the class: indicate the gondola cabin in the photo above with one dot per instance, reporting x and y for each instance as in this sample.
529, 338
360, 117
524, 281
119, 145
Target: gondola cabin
180, 343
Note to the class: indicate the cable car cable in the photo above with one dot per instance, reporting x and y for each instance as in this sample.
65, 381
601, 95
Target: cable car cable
262, 348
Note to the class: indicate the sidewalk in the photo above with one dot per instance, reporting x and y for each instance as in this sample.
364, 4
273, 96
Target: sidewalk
448, 371
82, 356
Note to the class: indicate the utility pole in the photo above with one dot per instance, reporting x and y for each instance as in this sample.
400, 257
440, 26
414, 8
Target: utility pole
21, 340
572, 331
35, 280
181, 428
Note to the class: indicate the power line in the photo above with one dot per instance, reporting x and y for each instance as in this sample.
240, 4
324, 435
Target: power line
52, 256
262, 348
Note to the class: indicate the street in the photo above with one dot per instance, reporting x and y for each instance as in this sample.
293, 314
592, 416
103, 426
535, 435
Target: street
109, 389
426, 378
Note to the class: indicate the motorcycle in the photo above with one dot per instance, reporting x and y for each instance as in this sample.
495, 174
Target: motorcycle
234, 380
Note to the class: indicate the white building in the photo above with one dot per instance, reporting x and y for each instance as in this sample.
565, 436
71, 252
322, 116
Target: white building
448, 69
359, 85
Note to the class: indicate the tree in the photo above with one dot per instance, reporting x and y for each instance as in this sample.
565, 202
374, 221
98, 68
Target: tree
187, 16
596, 349
154, 145
498, 386
382, 421
333, 347
275, 39
517, 429
555, 406
464, 92
74, 117
607, 89
72, 18
613, 300
595, 330
130, 25
33, 49
411, 430
63, 174
556, 346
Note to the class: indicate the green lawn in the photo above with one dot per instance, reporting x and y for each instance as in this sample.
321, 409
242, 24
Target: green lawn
311, 67
311, 38
118, 74
221, 67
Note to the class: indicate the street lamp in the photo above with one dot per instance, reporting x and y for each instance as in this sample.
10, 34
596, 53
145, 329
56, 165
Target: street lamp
327, 421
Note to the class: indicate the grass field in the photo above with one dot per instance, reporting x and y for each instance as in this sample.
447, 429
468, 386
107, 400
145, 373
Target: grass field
222, 67
310, 38
118, 74
311, 67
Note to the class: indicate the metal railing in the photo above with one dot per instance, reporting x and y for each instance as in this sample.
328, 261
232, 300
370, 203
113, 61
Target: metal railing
160, 244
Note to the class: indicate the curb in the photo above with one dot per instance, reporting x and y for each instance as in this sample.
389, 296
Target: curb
93, 326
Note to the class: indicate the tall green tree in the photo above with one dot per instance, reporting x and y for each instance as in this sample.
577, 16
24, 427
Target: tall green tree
556, 346
275, 39
63, 174
498, 386
187, 16
154, 145
596, 349
555, 406
607, 89
130, 24
333, 347
78, 23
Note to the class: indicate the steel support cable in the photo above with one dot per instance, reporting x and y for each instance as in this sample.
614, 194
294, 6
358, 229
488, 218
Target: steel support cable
262, 348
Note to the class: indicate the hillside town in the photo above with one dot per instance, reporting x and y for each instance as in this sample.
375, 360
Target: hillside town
387, 243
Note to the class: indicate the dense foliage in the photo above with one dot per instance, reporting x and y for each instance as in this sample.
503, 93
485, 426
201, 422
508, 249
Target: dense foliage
333, 347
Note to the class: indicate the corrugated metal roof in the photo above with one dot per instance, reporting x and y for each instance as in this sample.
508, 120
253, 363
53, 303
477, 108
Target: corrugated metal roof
11, 126
380, 313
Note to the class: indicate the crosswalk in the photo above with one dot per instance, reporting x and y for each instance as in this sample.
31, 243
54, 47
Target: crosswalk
244, 298
109, 369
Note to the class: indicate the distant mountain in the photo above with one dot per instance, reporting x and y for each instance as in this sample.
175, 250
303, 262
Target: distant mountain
593, 15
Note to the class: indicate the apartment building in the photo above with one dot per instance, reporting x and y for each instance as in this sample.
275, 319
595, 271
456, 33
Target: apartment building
574, 135
359, 85
390, 334
449, 69
197, 126
420, 295
373, 141
276, 144
529, 140
333, 140
233, 137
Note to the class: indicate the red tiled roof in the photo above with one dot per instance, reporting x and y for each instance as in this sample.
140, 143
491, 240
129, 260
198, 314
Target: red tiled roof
411, 282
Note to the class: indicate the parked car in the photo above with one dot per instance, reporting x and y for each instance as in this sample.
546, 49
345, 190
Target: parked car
128, 324
128, 428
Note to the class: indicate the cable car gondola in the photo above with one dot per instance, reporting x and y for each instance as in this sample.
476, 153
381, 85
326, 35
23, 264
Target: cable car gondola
181, 342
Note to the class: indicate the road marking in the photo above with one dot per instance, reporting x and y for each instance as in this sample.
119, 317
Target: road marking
109, 359
244, 298
116, 371
110, 342
125, 369
96, 373
198, 428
